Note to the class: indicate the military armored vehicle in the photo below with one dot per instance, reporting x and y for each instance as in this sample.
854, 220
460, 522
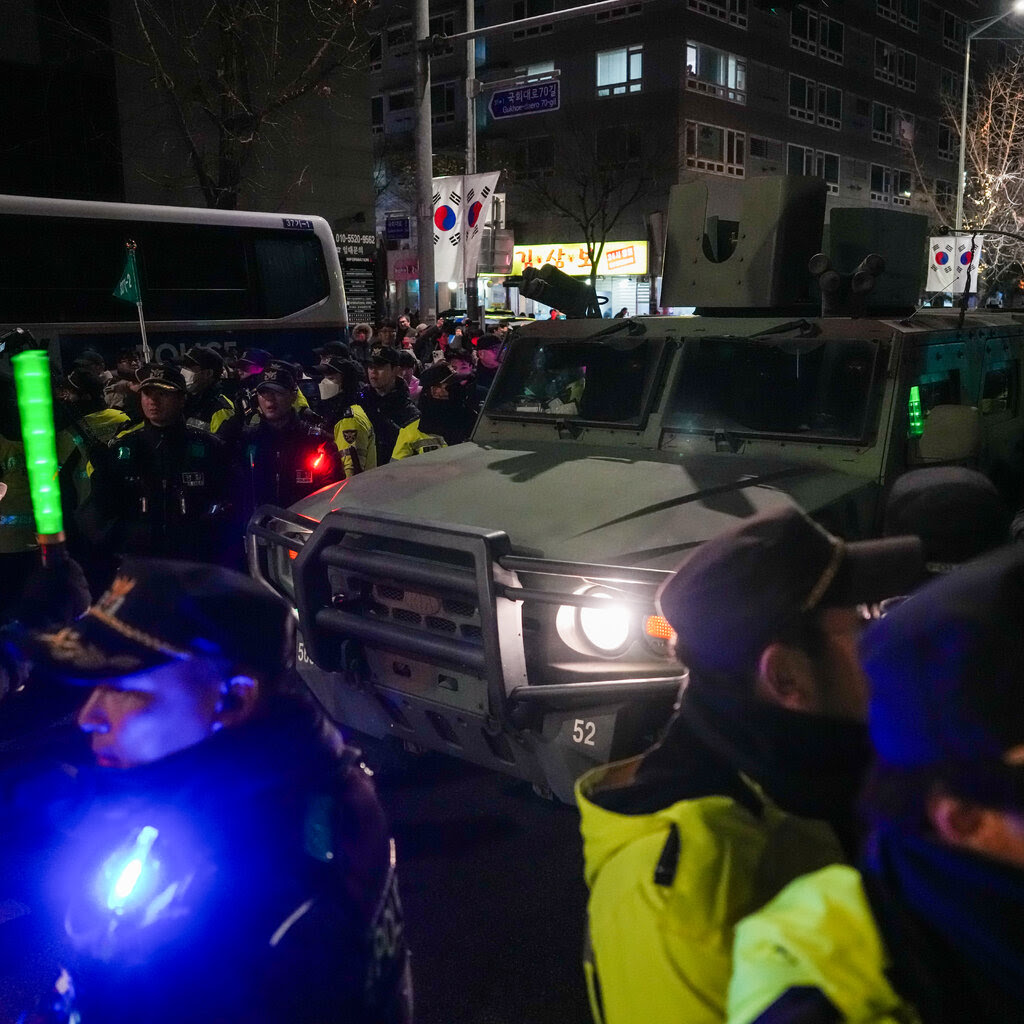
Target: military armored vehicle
495, 599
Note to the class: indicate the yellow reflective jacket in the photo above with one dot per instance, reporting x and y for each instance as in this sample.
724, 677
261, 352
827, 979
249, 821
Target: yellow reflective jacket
667, 888
73, 448
412, 441
353, 435
17, 525
815, 949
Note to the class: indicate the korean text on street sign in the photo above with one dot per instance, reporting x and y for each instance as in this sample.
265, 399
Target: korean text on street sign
525, 99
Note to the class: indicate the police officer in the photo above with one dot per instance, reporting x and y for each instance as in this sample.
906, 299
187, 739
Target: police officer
164, 485
756, 778
443, 419
227, 858
340, 384
285, 457
386, 401
208, 407
929, 929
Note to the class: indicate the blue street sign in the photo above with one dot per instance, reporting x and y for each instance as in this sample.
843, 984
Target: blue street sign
396, 228
538, 98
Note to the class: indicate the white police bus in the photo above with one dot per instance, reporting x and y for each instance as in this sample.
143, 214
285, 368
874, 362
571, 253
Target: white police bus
228, 279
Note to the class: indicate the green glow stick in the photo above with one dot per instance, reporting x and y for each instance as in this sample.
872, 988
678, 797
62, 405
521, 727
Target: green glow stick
916, 428
35, 403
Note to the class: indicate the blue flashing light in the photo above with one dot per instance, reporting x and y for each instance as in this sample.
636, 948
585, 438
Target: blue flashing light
127, 873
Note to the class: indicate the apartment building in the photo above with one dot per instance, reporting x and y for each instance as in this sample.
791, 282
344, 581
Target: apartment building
854, 91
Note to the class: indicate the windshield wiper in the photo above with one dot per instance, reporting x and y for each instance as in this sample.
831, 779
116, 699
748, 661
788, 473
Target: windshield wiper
727, 440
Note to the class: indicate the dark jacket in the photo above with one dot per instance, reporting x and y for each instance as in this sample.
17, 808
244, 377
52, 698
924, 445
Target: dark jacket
282, 465
213, 411
388, 414
272, 894
165, 491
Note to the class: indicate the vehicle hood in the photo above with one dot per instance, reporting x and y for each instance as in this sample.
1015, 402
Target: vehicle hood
585, 504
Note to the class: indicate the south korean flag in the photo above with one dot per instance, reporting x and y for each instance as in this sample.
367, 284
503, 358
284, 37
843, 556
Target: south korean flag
941, 264
479, 193
448, 228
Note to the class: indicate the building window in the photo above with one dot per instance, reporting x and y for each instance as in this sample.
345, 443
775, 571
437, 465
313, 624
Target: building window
946, 144
902, 12
545, 67
814, 163
759, 148
803, 98
399, 101
714, 149
530, 9
399, 39
629, 11
376, 52
716, 73
620, 71
950, 83
622, 144
442, 103
895, 65
952, 32
904, 122
830, 107
816, 33
890, 186
881, 123
443, 25
377, 114
733, 12
535, 157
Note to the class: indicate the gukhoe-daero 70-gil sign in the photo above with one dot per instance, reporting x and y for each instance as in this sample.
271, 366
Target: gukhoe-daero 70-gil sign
525, 99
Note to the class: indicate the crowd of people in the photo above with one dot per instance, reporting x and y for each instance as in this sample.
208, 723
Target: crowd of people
169, 459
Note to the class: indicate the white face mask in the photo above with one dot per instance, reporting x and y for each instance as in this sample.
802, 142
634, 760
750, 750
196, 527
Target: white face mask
190, 378
328, 388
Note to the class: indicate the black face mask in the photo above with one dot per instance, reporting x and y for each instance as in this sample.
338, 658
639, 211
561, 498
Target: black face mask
952, 921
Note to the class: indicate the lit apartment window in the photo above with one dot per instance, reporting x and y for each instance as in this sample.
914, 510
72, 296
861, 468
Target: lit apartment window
716, 73
620, 71
952, 32
905, 127
815, 163
530, 9
881, 122
442, 103
714, 149
377, 114
733, 12
946, 142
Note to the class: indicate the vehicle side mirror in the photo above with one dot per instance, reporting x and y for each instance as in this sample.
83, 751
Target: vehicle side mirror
952, 433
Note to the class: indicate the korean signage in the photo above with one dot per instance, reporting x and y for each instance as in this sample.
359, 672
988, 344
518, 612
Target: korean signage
526, 99
403, 265
358, 255
619, 259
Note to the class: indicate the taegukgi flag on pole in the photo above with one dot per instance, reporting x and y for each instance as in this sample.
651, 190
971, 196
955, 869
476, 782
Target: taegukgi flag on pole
950, 259
448, 228
479, 191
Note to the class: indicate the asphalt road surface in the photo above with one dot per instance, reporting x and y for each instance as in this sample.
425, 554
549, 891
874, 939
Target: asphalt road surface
492, 886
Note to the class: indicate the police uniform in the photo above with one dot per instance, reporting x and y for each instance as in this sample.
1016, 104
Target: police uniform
414, 441
165, 489
78, 443
353, 436
283, 465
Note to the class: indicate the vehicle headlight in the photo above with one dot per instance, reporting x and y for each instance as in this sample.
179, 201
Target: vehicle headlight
606, 631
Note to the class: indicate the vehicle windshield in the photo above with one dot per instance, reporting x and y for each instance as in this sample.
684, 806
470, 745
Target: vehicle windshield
802, 387
606, 380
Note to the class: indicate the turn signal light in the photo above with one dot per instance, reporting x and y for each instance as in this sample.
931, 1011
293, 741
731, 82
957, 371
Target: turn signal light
657, 626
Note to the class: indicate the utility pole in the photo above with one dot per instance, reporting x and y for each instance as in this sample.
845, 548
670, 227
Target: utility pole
424, 163
472, 88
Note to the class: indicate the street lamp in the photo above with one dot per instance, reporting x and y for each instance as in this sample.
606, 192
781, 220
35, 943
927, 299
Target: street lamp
973, 33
